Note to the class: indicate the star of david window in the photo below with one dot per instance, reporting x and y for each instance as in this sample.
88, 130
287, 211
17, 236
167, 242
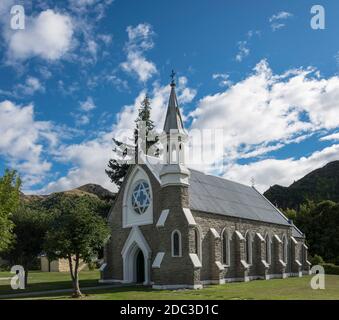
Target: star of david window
141, 197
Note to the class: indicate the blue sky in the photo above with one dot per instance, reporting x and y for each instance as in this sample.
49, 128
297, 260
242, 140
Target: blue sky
75, 76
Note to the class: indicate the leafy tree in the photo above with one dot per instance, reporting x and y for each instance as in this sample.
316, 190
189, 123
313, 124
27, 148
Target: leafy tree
76, 233
29, 230
117, 170
316, 260
10, 185
290, 214
320, 222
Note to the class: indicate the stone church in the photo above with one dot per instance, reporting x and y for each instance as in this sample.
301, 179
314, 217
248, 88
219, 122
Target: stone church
173, 227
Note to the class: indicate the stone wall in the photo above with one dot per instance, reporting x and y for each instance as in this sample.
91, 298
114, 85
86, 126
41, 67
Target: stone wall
235, 269
180, 270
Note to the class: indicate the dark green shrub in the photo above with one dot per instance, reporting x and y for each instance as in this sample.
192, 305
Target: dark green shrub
316, 260
331, 268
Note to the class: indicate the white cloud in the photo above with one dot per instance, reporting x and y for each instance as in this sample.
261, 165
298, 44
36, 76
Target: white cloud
87, 105
22, 141
333, 137
276, 20
223, 79
140, 39
265, 111
137, 63
243, 46
280, 16
48, 35
89, 159
269, 172
243, 52
31, 86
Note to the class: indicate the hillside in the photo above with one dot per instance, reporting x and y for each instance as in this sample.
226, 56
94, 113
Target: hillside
320, 184
92, 190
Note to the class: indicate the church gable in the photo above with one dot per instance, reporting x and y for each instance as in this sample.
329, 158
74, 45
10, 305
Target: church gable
137, 206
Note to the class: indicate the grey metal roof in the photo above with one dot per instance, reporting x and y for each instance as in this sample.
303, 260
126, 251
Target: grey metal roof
173, 119
221, 196
296, 233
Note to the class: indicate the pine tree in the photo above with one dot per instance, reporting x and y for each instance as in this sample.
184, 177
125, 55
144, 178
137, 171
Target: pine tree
117, 169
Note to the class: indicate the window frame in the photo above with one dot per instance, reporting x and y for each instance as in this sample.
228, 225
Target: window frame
225, 248
179, 244
248, 248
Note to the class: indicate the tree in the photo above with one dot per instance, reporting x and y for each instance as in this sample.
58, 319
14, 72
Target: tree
10, 185
118, 169
290, 213
76, 233
320, 222
30, 227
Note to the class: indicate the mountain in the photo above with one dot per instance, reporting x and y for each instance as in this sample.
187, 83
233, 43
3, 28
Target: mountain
320, 184
93, 190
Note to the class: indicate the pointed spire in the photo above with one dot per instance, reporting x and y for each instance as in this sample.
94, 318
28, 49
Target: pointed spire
173, 119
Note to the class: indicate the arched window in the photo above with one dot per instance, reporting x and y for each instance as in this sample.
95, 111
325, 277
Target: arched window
285, 244
225, 248
176, 243
197, 242
248, 248
268, 249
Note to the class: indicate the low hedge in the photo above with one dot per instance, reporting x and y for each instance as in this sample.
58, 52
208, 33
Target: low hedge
331, 268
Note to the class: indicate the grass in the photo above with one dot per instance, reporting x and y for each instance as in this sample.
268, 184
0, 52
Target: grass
279, 289
43, 281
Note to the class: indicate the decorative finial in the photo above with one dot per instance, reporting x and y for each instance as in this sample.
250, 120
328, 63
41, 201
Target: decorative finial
173, 78
253, 181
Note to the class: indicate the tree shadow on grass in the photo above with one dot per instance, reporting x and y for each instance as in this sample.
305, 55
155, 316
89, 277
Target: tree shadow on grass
5, 289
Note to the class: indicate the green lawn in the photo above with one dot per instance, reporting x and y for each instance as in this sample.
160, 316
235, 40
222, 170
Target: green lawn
291, 288
41, 281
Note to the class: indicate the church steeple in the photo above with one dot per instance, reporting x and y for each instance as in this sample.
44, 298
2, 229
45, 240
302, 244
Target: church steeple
173, 119
173, 139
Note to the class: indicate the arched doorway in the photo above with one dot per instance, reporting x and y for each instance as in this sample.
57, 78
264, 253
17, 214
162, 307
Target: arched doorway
136, 255
140, 267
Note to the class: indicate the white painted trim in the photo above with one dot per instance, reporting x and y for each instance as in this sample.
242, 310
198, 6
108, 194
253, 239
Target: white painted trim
249, 247
134, 242
215, 233
176, 286
102, 267
189, 217
162, 218
172, 244
293, 240
268, 248
228, 247
220, 266
239, 235
136, 236
298, 262
260, 237
285, 249
244, 264
158, 259
129, 217
277, 238
195, 260
282, 263
266, 265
